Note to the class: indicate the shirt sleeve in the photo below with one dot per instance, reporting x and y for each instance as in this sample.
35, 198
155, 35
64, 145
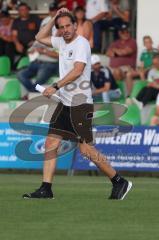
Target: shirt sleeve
38, 22
106, 75
82, 51
150, 76
15, 25
55, 41
141, 57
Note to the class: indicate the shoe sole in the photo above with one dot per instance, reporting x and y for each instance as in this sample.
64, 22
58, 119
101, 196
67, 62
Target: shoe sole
39, 198
128, 189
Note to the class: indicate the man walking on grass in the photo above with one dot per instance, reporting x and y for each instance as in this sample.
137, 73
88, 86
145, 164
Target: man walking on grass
72, 119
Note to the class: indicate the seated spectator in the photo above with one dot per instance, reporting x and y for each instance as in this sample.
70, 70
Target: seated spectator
44, 61
150, 92
119, 14
146, 58
96, 11
6, 41
3, 5
42, 68
122, 53
103, 82
84, 27
12, 5
24, 29
155, 118
6, 5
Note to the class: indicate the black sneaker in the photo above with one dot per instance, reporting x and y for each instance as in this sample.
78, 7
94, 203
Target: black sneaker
120, 190
40, 193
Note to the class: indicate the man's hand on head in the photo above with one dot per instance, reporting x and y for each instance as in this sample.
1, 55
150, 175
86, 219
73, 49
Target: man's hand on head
61, 10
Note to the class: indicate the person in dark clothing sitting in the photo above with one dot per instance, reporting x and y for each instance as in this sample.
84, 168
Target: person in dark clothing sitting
24, 29
104, 85
151, 91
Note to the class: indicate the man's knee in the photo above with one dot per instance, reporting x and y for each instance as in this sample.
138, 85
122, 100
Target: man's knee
117, 73
129, 75
21, 75
52, 143
85, 149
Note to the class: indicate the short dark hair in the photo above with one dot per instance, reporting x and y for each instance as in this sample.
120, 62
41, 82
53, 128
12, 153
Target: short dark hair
147, 37
53, 6
64, 14
23, 4
79, 8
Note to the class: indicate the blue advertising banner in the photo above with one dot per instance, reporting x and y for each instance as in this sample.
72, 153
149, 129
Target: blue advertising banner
8, 144
137, 150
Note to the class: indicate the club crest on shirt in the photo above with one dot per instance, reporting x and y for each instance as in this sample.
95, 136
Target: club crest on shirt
70, 53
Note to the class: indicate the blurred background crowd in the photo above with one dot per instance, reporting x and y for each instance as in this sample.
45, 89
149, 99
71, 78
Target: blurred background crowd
109, 25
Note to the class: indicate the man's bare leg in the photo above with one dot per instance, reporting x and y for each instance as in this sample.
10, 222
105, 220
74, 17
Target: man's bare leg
51, 146
129, 82
99, 159
118, 74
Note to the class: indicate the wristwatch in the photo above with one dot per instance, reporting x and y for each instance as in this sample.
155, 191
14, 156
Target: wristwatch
54, 85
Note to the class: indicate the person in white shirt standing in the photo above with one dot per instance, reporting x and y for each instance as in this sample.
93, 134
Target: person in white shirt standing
96, 11
72, 118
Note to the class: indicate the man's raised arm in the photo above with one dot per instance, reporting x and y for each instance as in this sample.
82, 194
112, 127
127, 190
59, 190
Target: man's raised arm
45, 33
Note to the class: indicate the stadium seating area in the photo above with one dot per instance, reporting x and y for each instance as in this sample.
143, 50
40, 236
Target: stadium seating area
12, 92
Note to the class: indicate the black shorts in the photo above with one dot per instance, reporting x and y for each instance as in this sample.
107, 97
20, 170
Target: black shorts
72, 123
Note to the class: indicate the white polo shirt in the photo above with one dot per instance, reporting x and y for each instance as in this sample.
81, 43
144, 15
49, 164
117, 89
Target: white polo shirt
94, 7
79, 91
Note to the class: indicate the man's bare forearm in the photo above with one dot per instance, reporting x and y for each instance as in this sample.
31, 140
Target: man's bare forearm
123, 52
70, 77
52, 54
123, 15
100, 90
75, 73
98, 17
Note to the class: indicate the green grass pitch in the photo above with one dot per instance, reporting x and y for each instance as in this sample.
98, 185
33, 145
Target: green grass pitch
80, 210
